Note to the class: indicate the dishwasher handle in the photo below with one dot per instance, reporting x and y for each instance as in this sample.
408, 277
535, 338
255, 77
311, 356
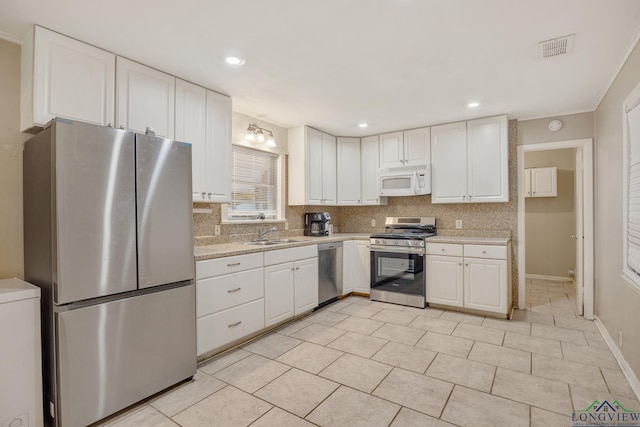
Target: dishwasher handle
329, 246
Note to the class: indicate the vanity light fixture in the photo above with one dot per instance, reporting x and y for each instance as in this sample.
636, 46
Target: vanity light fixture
473, 104
256, 133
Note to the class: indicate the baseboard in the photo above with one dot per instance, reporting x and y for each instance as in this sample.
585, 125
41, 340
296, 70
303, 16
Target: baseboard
543, 277
624, 365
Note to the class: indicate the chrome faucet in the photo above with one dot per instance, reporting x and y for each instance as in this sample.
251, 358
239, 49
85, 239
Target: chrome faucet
262, 232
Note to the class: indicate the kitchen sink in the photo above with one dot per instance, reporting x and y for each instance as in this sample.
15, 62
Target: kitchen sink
271, 242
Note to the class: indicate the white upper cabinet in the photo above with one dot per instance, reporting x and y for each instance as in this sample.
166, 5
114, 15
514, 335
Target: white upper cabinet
312, 167
145, 98
541, 182
218, 167
369, 169
349, 185
408, 148
63, 77
470, 161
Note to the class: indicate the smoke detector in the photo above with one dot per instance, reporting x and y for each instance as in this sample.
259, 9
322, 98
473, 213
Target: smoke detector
556, 47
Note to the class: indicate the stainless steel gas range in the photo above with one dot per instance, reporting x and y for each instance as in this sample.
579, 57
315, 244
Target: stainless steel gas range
398, 260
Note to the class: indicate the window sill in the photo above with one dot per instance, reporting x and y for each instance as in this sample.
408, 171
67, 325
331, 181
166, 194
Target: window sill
252, 221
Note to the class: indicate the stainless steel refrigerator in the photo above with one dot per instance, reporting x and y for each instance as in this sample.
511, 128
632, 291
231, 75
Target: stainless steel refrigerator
108, 236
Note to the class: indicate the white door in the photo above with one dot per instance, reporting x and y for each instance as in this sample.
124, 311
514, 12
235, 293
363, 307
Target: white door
445, 280
218, 176
348, 262
370, 160
349, 188
579, 236
485, 284
278, 293
391, 150
329, 170
314, 166
487, 160
306, 285
449, 163
362, 267
417, 147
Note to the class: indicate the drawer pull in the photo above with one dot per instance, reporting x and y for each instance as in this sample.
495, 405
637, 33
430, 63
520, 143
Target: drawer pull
233, 290
484, 252
234, 324
233, 264
442, 249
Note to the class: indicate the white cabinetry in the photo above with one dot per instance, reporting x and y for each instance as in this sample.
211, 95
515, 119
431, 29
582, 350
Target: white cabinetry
369, 169
291, 283
408, 148
229, 300
63, 77
349, 175
145, 98
541, 182
312, 167
470, 161
470, 276
356, 273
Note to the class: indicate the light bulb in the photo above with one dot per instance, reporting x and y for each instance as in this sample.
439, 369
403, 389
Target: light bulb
271, 142
260, 137
250, 136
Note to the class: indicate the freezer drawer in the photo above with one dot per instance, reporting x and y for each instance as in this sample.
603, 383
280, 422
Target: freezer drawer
114, 354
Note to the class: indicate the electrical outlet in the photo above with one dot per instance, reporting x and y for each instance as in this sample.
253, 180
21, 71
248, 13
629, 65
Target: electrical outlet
620, 339
286, 225
373, 222
217, 230
458, 224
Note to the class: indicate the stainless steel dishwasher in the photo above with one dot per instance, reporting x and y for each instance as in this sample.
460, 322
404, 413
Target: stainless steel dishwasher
329, 272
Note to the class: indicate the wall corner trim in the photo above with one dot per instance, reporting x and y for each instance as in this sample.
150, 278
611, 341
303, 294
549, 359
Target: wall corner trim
624, 365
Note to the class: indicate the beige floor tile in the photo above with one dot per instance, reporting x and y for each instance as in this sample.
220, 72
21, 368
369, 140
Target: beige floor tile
471, 408
228, 407
187, 394
533, 390
410, 418
338, 305
568, 371
397, 317
294, 327
272, 345
583, 397
591, 355
554, 311
561, 334
326, 317
427, 311
357, 372
280, 418
144, 416
464, 372
580, 324
595, 339
510, 358
358, 344
569, 304
405, 356
310, 357
297, 391
528, 316
359, 325
539, 345
479, 333
462, 317
361, 310
415, 391
252, 373
353, 408
542, 418
398, 333
436, 325
455, 346
508, 325
360, 300
318, 334
617, 382
220, 362
388, 306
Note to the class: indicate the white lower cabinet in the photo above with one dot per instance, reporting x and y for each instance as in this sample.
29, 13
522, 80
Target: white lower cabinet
356, 270
445, 284
305, 281
278, 286
485, 284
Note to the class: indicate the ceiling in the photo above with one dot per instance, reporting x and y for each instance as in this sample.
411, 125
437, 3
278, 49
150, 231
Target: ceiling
331, 64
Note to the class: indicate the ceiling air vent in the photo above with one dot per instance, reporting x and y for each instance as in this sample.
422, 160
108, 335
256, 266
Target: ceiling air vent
556, 47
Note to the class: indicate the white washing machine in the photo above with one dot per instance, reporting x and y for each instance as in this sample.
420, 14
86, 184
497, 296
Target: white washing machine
20, 356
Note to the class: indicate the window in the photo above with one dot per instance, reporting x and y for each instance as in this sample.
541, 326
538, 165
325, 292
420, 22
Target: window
631, 179
254, 185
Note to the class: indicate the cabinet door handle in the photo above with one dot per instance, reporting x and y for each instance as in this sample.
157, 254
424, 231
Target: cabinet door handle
209, 194
466, 265
233, 264
297, 268
234, 324
292, 269
484, 252
459, 263
442, 249
233, 290
203, 194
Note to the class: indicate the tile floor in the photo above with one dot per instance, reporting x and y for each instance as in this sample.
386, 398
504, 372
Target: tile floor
363, 363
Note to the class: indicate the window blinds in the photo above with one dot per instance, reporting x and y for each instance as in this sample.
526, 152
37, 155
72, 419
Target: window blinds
633, 186
253, 184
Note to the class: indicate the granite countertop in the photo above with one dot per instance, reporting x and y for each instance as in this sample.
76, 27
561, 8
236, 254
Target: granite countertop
498, 241
240, 248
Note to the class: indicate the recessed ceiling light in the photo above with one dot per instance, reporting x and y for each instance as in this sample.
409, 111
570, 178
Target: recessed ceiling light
234, 60
473, 104
363, 125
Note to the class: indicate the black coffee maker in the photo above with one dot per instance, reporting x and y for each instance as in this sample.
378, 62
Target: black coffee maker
316, 223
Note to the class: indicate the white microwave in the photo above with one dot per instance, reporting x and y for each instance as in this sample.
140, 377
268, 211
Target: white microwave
404, 181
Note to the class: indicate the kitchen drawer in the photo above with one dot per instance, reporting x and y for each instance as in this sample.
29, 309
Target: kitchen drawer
226, 265
219, 293
485, 251
292, 254
230, 325
451, 249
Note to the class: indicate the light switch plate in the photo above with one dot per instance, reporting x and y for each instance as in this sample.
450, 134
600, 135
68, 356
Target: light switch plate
286, 225
373, 222
217, 230
458, 224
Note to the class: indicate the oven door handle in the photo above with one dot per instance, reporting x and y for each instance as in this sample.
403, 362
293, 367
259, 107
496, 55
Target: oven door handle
396, 250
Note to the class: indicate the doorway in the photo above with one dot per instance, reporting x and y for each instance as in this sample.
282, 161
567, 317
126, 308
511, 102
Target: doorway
552, 285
